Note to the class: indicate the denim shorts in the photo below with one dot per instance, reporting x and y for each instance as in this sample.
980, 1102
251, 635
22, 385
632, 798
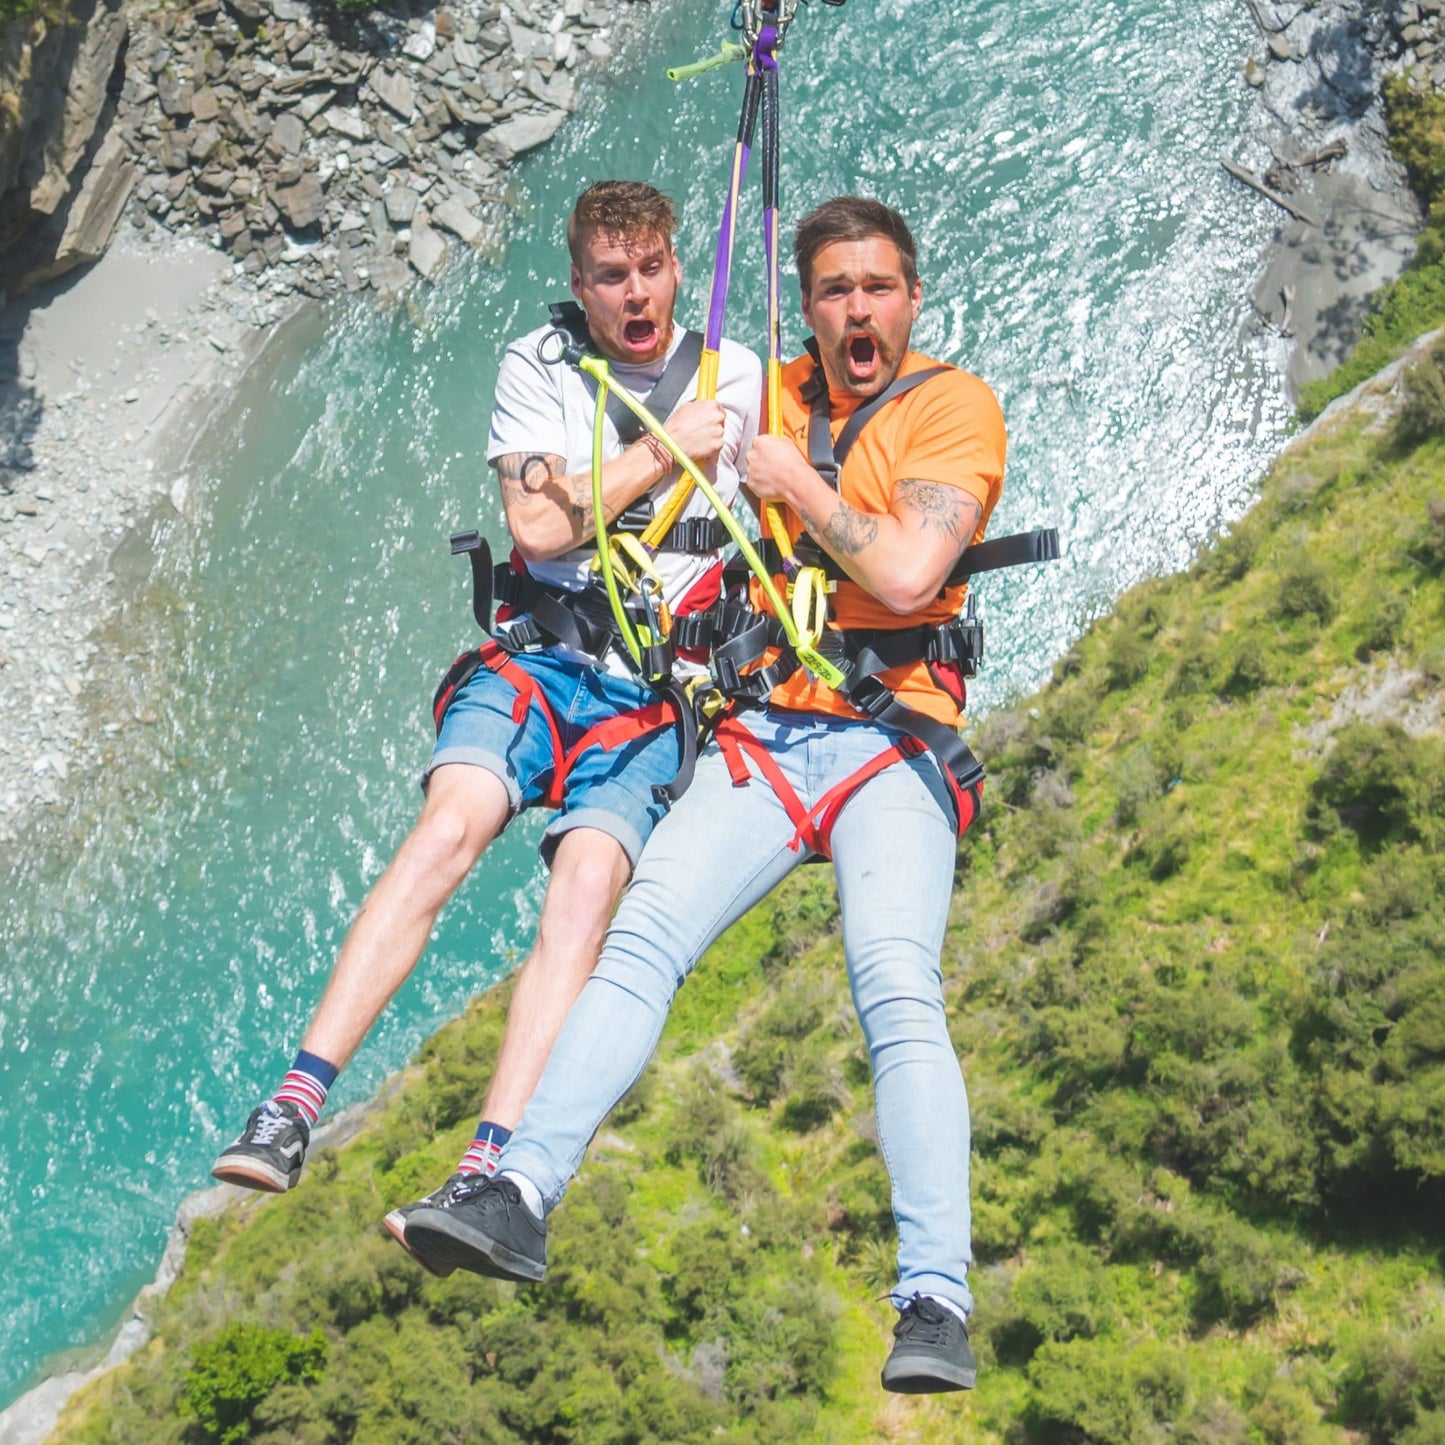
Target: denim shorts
609, 790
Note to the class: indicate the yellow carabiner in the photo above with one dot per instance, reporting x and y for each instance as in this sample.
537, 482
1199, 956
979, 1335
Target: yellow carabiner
810, 619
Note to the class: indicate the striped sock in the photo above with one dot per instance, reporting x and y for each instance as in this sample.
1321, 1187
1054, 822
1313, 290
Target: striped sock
307, 1085
484, 1151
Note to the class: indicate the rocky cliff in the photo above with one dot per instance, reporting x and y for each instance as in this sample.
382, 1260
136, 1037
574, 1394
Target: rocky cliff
62, 185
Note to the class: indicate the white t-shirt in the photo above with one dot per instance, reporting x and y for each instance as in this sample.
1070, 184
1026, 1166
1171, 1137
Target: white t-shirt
550, 409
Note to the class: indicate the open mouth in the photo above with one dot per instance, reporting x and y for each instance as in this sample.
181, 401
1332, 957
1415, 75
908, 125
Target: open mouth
862, 356
640, 335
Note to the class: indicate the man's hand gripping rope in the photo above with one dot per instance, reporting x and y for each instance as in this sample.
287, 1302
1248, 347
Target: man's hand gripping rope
635, 563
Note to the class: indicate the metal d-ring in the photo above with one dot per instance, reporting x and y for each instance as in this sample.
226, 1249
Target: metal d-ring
564, 344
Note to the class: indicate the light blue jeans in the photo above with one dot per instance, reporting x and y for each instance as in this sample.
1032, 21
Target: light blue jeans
721, 849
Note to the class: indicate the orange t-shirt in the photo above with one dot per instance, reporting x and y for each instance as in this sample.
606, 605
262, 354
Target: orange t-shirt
948, 430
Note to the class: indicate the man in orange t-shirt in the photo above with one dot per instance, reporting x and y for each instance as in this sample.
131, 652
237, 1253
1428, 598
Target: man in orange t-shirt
810, 772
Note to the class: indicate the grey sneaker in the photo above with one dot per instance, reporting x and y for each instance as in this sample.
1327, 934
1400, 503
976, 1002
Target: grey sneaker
930, 1351
395, 1222
484, 1228
270, 1151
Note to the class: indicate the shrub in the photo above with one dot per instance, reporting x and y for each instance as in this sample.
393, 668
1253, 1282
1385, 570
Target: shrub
1136, 782
1249, 671
1422, 409
235, 1370
1383, 783
1427, 542
1384, 618
1127, 658
1306, 589
815, 1091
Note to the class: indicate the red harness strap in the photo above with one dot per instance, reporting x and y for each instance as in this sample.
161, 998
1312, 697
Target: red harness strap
813, 827
612, 733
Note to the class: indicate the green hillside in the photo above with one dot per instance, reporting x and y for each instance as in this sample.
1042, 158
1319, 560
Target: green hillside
1195, 980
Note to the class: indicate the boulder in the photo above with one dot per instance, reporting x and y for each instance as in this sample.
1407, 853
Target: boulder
401, 203
427, 251
453, 216
394, 91
422, 42
523, 133
302, 204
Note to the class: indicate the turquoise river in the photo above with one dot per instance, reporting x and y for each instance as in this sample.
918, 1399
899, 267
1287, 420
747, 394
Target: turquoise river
163, 940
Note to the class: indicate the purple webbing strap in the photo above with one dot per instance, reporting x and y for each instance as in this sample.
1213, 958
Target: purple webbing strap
722, 265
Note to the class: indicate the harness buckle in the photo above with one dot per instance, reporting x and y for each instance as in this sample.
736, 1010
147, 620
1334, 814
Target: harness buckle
870, 697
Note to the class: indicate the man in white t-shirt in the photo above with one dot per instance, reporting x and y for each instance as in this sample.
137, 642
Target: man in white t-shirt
544, 719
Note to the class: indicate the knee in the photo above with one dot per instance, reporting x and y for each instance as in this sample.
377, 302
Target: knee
588, 876
445, 842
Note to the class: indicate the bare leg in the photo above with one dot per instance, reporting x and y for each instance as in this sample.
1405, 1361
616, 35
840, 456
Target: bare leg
589, 872
465, 809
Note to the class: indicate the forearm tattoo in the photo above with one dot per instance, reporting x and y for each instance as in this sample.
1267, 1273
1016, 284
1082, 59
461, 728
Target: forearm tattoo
846, 533
940, 508
537, 478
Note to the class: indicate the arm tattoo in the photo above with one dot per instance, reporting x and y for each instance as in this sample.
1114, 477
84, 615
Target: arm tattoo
847, 532
523, 476
940, 508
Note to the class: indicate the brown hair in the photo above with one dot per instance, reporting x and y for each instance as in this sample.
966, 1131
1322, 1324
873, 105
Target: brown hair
852, 218
620, 208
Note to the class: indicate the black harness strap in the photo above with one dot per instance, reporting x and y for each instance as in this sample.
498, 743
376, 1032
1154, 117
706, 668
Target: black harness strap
1015, 550
826, 456
568, 316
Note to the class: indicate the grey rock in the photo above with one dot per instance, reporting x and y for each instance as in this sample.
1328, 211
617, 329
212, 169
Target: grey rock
524, 133
393, 139
422, 42
249, 14
453, 216
492, 41
174, 93
310, 106
348, 123
394, 91
204, 142
427, 251
302, 204
288, 135
389, 276
401, 204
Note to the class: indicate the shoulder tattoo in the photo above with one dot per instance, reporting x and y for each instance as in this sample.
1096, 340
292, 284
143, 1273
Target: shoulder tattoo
939, 508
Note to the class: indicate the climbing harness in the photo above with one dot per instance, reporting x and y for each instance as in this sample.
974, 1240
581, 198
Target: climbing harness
742, 645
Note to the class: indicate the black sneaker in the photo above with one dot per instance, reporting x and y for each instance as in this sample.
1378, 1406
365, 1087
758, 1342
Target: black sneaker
930, 1351
395, 1222
270, 1151
485, 1228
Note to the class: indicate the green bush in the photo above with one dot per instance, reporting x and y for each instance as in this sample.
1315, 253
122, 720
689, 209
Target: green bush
1306, 589
1426, 546
1382, 783
233, 1372
1136, 782
1422, 410
1383, 621
1250, 670
1127, 659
